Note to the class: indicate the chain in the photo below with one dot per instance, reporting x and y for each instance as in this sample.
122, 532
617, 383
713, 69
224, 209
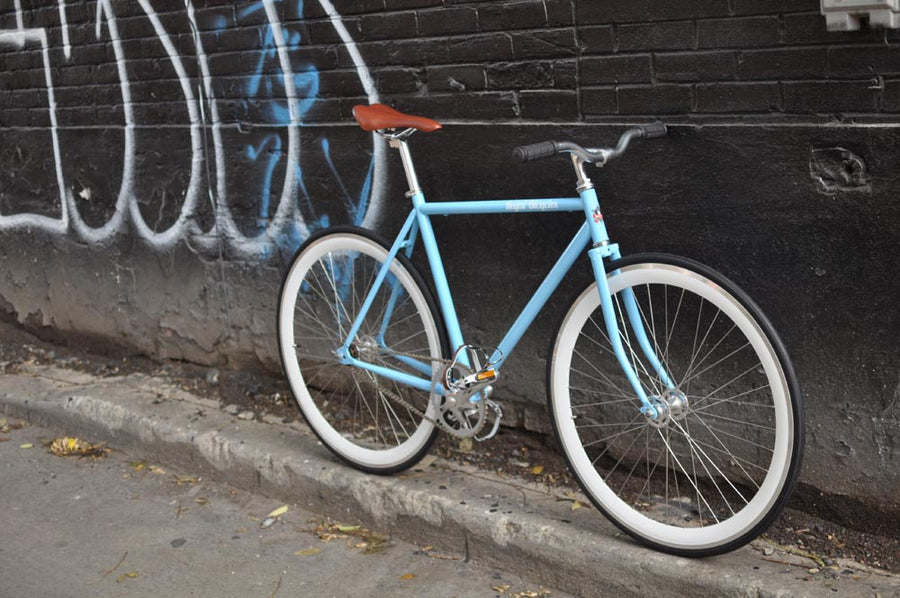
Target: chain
404, 403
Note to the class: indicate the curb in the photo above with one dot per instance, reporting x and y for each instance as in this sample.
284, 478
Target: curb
516, 526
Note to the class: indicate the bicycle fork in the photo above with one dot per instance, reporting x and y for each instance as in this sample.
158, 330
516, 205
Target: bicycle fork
602, 249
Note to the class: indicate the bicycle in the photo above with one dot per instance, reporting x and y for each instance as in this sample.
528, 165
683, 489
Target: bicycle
671, 395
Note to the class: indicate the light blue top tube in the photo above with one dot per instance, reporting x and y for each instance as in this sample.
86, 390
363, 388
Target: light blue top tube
501, 206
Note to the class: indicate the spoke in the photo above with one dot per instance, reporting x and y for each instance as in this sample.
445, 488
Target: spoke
625, 396
670, 331
616, 435
338, 302
312, 315
652, 471
688, 378
600, 404
402, 320
739, 461
603, 346
716, 467
411, 336
616, 466
732, 381
623, 334
696, 350
652, 325
636, 461
596, 369
737, 421
389, 411
693, 480
735, 436
603, 425
731, 400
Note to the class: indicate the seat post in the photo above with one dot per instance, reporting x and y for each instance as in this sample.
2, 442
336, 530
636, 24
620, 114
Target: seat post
408, 167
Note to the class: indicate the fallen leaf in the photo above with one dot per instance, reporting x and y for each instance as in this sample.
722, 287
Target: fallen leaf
408, 576
279, 511
537, 470
501, 589
27, 445
201, 500
183, 479
308, 552
68, 446
124, 576
348, 528
155, 469
7, 426
576, 505
443, 557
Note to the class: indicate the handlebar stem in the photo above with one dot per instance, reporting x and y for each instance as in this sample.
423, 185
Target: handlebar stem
584, 182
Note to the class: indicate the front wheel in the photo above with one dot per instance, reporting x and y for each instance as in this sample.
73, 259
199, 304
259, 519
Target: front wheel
715, 468
371, 422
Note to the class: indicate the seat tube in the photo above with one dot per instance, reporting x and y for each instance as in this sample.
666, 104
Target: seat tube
441, 285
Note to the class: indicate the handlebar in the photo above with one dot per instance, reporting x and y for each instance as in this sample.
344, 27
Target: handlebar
599, 156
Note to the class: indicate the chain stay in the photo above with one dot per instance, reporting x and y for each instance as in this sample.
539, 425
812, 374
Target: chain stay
448, 363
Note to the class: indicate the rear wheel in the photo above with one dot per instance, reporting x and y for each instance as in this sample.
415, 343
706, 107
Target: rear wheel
716, 468
367, 420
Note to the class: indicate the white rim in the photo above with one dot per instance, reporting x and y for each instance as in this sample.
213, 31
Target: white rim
380, 459
676, 537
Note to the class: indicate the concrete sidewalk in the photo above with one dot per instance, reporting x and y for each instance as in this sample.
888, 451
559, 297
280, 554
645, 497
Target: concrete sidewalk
514, 525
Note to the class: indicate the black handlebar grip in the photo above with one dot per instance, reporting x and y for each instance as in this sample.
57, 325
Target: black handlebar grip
654, 130
535, 151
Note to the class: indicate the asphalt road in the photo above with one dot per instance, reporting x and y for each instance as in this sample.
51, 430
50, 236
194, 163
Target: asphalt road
121, 527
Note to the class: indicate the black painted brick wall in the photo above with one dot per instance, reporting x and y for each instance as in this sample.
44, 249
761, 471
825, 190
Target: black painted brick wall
588, 60
570, 60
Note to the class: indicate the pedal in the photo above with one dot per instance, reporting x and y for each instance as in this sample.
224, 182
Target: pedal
459, 378
478, 380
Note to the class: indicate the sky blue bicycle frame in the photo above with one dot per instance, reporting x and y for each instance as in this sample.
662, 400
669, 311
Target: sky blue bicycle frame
592, 232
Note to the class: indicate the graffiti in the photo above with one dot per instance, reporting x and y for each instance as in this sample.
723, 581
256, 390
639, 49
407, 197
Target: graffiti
287, 88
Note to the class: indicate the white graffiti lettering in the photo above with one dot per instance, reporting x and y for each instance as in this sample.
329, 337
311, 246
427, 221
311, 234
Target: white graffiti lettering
287, 221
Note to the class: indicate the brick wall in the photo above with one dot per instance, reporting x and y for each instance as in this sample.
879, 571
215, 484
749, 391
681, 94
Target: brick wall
565, 60
576, 60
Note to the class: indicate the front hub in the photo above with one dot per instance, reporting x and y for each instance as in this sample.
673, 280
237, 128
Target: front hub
671, 406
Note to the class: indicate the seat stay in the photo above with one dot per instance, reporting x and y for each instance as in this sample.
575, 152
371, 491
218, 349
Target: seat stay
344, 350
